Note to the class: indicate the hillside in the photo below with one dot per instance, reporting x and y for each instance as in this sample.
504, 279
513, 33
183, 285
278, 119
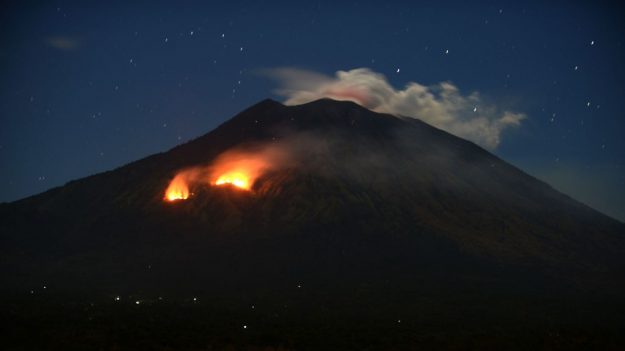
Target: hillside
362, 217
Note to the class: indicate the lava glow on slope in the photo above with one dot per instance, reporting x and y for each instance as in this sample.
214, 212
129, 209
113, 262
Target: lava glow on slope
178, 189
239, 169
236, 178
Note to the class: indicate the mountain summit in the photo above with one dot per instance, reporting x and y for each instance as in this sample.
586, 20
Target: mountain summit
361, 208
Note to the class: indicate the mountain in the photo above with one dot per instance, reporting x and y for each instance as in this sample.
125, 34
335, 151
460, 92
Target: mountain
360, 228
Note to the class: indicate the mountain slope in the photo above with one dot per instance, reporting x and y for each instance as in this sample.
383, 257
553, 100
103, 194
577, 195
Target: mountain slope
371, 210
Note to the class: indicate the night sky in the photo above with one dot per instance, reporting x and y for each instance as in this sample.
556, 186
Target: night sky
86, 88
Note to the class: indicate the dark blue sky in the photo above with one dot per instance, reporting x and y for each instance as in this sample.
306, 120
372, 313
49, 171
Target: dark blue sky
89, 87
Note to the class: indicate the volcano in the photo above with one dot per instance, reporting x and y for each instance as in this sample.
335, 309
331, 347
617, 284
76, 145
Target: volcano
353, 229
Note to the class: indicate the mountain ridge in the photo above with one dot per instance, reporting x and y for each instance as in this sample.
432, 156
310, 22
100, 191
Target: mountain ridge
388, 230
269, 103
454, 174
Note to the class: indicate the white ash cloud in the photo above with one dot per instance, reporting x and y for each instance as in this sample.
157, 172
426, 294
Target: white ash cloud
441, 105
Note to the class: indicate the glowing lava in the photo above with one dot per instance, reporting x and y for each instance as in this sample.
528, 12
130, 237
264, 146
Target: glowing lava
177, 189
236, 178
238, 168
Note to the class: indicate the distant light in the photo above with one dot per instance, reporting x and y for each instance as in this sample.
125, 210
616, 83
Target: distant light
137, 302
117, 298
245, 327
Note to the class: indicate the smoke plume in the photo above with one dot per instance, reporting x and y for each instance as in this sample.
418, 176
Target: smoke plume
441, 105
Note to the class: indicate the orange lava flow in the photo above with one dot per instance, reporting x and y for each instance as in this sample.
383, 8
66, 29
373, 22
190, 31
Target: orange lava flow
242, 169
178, 189
236, 168
236, 178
